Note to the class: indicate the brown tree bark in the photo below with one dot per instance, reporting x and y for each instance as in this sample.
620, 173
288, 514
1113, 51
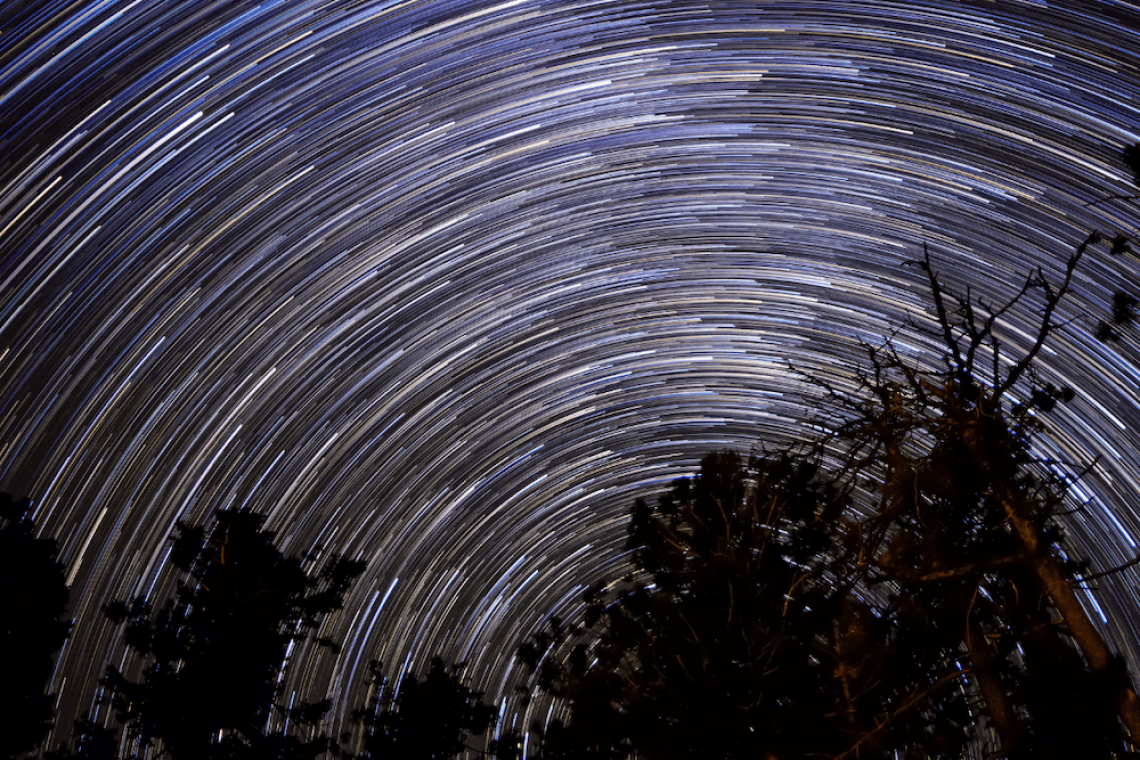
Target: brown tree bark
1100, 659
999, 710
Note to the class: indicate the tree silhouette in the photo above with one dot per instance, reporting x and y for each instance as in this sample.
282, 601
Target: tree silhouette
1123, 303
213, 653
911, 598
963, 526
426, 718
965, 523
33, 625
741, 637
90, 741
1132, 161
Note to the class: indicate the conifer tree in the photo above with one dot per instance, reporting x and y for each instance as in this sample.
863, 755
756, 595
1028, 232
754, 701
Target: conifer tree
423, 718
33, 625
212, 655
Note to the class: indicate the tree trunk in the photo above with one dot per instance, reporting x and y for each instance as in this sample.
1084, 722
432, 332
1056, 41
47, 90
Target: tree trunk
999, 710
1101, 661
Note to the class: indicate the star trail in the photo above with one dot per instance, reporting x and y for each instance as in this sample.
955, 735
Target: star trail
447, 285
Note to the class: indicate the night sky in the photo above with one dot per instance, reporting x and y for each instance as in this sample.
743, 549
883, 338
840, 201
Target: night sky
447, 285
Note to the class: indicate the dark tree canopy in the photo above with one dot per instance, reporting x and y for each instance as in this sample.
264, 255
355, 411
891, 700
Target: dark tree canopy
428, 718
89, 741
212, 655
1132, 161
33, 625
909, 599
965, 525
1123, 303
738, 639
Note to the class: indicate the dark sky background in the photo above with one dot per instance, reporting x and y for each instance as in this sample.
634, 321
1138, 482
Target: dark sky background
446, 285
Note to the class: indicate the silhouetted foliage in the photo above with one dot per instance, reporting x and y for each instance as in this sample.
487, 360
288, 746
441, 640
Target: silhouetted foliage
910, 599
741, 638
213, 653
965, 525
428, 718
1123, 303
1123, 308
1132, 161
1120, 245
90, 741
33, 626
509, 746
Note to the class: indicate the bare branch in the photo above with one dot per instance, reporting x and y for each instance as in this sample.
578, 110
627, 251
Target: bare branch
1108, 198
940, 306
1110, 571
915, 699
1052, 298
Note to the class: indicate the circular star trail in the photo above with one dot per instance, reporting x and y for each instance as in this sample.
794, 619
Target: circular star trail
447, 285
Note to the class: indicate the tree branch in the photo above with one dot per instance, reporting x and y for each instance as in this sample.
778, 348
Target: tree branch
911, 702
